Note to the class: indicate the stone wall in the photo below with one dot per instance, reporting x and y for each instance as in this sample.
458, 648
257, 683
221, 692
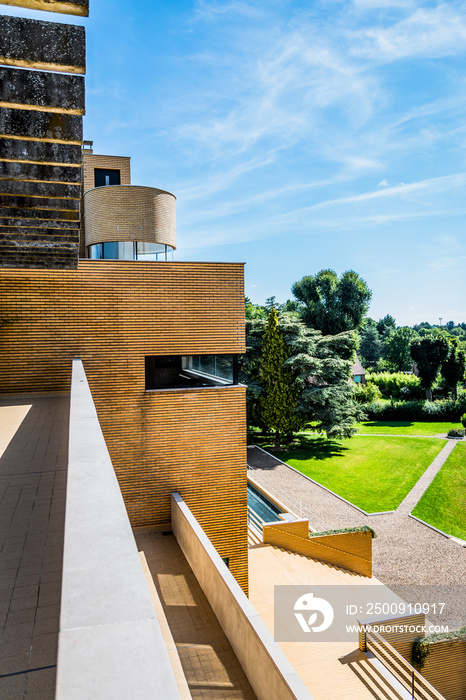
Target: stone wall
40, 138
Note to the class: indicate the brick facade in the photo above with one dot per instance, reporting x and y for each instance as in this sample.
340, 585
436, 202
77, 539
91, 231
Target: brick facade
112, 315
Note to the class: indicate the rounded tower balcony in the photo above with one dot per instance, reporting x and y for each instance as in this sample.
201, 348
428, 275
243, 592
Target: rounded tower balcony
129, 222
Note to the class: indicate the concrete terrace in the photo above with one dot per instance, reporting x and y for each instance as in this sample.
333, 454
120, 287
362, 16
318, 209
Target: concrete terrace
210, 666
33, 462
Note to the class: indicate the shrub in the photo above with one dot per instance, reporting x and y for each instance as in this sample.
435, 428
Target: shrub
463, 420
397, 384
455, 433
446, 410
367, 393
343, 530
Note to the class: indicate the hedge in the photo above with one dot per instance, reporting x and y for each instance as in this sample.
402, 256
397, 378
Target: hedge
397, 384
445, 410
358, 528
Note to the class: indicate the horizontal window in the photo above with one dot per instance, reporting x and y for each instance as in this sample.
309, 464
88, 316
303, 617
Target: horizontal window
185, 371
130, 250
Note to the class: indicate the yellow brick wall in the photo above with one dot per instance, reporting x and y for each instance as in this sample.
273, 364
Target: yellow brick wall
113, 314
130, 213
92, 161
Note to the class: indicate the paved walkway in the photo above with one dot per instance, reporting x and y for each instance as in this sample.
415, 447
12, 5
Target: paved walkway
405, 551
209, 663
411, 500
33, 459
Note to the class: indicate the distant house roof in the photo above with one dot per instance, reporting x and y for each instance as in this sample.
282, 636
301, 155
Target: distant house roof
357, 368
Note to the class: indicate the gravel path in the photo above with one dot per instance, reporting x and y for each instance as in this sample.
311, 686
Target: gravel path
405, 551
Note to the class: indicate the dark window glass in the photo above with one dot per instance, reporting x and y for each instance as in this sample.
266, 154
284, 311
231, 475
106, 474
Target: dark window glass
177, 372
102, 177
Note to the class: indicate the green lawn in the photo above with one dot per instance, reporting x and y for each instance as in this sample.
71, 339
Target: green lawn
374, 473
443, 505
405, 428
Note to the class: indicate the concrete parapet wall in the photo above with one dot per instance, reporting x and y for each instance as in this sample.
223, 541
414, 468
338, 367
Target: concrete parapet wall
110, 644
30, 43
130, 213
349, 550
269, 672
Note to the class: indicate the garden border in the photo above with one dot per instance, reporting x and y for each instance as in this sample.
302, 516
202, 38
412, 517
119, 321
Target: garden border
381, 512
458, 540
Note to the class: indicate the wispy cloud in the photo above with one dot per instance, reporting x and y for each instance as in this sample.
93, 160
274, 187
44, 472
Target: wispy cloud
429, 32
211, 10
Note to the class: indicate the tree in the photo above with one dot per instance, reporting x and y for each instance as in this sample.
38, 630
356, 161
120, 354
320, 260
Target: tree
317, 367
279, 400
253, 310
398, 348
330, 304
370, 347
385, 326
453, 368
429, 353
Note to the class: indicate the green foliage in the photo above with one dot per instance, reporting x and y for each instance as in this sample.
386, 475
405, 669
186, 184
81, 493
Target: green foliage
421, 650
359, 528
366, 393
397, 348
385, 326
429, 353
422, 645
453, 367
253, 310
370, 347
319, 368
330, 304
446, 410
463, 420
278, 401
417, 428
454, 433
393, 384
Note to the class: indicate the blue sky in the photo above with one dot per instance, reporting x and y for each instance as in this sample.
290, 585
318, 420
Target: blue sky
296, 136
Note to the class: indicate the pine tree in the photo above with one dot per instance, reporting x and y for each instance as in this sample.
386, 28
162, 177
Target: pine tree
315, 369
278, 403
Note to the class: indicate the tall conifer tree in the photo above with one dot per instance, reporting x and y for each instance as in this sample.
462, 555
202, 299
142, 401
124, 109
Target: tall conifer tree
279, 400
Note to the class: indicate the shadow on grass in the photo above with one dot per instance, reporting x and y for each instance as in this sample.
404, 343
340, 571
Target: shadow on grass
304, 447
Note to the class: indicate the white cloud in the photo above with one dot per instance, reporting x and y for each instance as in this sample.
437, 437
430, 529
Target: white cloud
383, 183
436, 32
212, 10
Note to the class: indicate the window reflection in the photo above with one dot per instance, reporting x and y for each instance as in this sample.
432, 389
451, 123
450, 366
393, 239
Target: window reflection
130, 250
184, 371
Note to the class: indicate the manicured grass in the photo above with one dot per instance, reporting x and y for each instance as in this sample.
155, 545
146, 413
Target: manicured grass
405, 428
443, 505
374, 473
